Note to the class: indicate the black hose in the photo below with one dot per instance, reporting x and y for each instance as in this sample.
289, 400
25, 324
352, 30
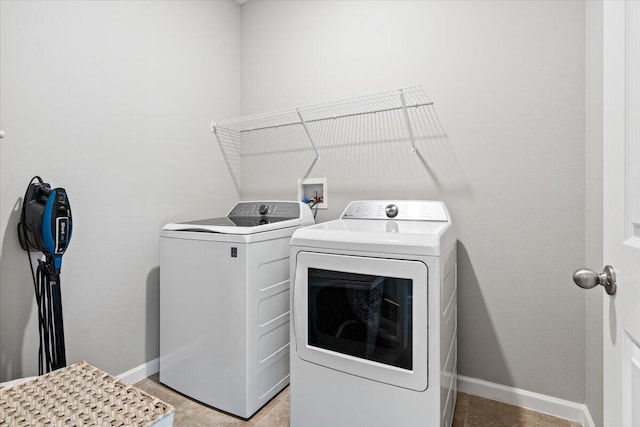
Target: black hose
61, 359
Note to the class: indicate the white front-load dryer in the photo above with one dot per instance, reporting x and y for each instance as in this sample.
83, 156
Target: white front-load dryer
224, 305
373, 330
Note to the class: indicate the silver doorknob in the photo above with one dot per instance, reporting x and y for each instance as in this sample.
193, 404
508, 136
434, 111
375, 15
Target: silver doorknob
588, 279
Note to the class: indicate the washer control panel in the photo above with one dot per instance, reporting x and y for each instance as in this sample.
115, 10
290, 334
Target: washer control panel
407, 210
286, 210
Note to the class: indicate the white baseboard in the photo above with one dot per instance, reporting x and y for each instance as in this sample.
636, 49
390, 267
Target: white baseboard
526, 399
141, 372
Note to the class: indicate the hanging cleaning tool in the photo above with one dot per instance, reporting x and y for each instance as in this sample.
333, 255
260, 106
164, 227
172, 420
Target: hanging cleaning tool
45, 226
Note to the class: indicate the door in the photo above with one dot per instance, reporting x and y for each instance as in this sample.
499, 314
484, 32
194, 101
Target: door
363, 316
621, 215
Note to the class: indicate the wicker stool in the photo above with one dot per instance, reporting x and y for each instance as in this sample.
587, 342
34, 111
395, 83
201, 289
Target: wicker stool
81, 395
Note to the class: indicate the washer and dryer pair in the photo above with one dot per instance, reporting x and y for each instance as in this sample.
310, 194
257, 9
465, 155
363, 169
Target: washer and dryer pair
373, 312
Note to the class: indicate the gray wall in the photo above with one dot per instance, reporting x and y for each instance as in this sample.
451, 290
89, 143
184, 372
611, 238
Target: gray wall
508, 81
593, 206
111, 100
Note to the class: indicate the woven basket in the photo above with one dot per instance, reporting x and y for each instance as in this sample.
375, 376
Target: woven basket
79, 395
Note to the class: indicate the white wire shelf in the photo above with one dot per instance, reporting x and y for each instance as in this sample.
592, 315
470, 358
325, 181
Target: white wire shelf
404, 114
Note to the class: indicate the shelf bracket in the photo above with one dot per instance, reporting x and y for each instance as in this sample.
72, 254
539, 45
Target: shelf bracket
304, 125
407, 121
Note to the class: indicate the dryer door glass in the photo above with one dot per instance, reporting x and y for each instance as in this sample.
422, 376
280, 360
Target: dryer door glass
364, 316
360, 315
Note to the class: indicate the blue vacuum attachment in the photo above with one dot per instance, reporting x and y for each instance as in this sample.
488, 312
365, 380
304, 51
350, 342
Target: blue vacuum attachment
46, 222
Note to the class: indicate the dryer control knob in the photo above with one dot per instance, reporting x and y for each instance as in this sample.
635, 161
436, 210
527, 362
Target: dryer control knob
263, 209
391, 211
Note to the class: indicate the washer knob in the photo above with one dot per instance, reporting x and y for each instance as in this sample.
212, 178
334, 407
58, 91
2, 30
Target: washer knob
263, 209
391, 211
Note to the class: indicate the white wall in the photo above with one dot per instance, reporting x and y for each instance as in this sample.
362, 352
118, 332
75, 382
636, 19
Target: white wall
508, 81
111, 100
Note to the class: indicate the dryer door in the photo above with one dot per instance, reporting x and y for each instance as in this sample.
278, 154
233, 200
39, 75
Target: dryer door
363, 316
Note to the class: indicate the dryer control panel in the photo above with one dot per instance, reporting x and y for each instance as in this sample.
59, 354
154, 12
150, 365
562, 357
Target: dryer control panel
401, 210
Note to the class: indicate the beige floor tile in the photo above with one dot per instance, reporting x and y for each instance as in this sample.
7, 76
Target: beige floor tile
189, 412
194, 414
483, 412
277, 417
162, 392
284, 394
460, 413
470, 411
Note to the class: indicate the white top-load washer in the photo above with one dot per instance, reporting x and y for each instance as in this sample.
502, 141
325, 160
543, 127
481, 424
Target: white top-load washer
224, 305
373, 331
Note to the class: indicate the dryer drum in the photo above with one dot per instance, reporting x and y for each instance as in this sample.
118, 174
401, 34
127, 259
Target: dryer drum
361, 315
366, 307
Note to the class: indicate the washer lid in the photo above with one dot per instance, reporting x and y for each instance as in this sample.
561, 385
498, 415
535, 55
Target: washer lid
250, 218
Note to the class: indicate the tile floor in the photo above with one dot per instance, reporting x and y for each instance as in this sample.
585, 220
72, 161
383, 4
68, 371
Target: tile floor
471, 411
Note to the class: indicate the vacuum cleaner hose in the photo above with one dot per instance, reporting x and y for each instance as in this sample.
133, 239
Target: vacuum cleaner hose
45, 225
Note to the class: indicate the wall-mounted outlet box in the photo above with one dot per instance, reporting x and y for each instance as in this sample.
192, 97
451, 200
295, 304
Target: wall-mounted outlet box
314, 189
